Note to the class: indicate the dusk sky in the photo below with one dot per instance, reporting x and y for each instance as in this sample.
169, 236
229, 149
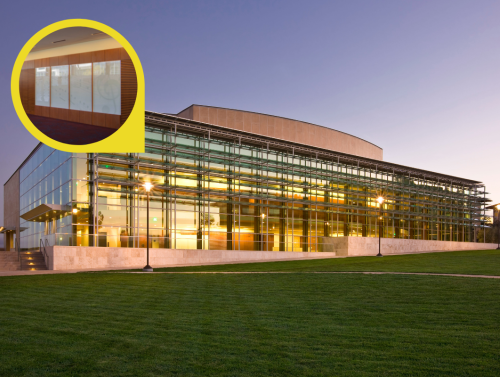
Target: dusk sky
421, 79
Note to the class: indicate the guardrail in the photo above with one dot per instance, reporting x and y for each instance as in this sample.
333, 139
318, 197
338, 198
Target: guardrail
44, 251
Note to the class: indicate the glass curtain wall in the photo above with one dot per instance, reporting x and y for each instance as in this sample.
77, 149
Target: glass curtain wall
45, 178
222, 195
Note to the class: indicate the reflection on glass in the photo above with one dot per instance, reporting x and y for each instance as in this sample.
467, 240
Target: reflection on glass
107, 87
81, 87
59, 87
225, 216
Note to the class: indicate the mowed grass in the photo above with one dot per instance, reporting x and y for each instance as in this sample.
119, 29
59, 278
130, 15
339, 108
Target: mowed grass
249, 325
477, 262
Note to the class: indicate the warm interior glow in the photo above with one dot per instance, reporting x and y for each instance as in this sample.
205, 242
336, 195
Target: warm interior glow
498, 207
148, 186
380, 200
75, 210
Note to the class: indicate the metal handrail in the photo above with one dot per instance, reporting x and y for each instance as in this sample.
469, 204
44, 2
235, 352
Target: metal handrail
44, 251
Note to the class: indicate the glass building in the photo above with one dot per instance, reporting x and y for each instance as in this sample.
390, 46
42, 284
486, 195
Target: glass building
217, 188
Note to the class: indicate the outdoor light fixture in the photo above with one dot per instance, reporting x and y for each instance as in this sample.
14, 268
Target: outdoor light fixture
498, 225
147, 186
380, 201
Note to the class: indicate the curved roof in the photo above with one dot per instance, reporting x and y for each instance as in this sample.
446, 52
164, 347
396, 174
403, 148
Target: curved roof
283, 128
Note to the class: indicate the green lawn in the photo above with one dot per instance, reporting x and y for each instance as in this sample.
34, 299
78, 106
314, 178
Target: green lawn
480, 262
250, 324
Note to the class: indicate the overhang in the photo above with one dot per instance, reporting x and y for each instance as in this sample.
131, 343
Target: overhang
45, 212
7, 229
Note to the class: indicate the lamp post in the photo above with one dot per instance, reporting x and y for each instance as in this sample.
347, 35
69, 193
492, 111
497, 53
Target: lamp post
147, 186
498, 225
262, 229
380, 201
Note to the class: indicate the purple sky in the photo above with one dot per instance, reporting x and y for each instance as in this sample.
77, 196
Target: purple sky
421, 79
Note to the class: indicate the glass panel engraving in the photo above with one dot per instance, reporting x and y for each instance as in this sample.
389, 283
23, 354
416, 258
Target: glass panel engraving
59, 87
107, 97
81, 87
42, 87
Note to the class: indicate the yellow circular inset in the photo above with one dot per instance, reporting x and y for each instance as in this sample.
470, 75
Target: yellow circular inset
129, 138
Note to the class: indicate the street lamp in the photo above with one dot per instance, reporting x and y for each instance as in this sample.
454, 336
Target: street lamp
380, 201
498, 225
264, 241
147, 186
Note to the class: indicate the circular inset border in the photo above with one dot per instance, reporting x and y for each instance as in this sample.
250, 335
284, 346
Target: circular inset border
128, 138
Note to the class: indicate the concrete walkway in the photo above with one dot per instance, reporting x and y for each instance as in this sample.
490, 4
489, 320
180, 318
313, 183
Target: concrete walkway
49, 272
317, 272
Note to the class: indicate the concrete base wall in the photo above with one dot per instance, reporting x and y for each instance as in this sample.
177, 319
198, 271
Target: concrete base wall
79, 257
365, 246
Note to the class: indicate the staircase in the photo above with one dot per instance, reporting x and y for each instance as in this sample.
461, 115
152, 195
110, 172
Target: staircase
33, 261
9, 261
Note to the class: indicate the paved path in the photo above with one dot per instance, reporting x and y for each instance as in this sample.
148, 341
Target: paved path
316, 272
50, 272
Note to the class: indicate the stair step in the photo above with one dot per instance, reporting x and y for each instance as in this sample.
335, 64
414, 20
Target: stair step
32, 261
9, 261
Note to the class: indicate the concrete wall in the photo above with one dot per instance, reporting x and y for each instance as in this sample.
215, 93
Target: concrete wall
284, 129
365, 246
80, 257
11, 204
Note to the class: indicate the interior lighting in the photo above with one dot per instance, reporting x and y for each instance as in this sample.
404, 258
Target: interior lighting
380, 199
75, 210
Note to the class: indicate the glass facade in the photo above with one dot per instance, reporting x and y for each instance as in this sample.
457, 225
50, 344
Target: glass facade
222, 194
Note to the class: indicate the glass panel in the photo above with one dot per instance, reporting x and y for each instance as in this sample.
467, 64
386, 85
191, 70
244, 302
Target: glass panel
42, 87
107, 86
59, 94
81, 87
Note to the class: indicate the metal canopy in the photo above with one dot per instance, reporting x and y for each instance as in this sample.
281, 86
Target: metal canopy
45, 212
6, 229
